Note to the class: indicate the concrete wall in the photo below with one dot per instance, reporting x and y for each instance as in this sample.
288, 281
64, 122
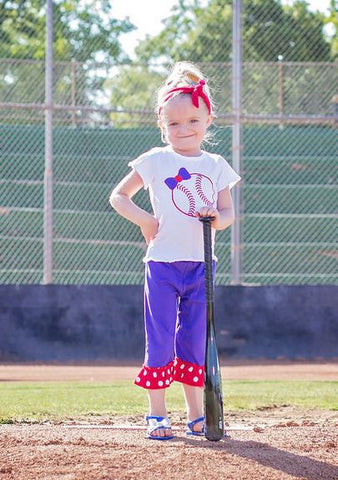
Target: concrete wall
105, 323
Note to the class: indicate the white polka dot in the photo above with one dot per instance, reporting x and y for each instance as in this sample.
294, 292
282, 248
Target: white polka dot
160, 383
195, 379
182, 366
167, 382
168, 371
190, 369
145, 372
175, 362
148, 384
137, 379
200, 371
163, 374
182, 375
154, 374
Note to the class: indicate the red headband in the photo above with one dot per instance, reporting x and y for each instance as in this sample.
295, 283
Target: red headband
195, 90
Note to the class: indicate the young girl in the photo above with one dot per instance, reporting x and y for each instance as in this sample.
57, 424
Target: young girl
184, 184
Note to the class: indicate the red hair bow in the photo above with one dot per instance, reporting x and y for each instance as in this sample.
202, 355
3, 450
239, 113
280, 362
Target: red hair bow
196, 91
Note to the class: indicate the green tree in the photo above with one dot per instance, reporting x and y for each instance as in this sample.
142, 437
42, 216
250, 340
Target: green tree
331, 21
291, 33
188, 32
82, 30
270, 31
133, 95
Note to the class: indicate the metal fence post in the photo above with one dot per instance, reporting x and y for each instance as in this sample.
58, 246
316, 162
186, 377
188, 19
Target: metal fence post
281, 87
73, 90
48, 176
236, 243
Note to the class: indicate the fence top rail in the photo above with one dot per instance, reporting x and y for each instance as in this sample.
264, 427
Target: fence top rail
290, 64
245, 118
333, 64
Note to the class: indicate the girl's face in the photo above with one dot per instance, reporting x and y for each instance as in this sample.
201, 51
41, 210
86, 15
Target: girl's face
184, 126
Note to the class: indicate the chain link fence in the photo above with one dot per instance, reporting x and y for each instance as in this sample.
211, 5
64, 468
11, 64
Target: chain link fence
103, 116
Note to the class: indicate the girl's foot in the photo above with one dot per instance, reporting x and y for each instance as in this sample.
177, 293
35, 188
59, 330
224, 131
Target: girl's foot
159, 428
196, 427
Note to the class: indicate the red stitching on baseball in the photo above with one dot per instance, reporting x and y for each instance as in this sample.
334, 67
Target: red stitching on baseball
200, 192
192, 204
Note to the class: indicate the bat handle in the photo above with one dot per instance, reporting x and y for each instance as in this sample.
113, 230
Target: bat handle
206, 221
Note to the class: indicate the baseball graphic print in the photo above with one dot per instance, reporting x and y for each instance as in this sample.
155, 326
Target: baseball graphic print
191, 191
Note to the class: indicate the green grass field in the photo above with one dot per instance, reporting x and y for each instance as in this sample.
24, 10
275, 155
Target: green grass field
60, 401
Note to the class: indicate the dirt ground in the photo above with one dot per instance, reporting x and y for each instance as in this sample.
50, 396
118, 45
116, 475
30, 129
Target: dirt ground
273, 444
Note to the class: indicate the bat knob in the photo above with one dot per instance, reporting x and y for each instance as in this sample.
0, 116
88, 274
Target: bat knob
206, 219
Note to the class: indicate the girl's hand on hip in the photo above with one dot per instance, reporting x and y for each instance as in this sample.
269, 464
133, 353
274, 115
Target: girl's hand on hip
149, 229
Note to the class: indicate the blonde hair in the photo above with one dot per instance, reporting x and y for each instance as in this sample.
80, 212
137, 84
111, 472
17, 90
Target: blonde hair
183, 74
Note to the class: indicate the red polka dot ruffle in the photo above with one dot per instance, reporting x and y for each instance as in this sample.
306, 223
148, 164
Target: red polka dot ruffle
162, 377
188, 373
155, 377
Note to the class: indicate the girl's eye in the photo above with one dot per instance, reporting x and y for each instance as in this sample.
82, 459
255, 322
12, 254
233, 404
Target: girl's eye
194, 120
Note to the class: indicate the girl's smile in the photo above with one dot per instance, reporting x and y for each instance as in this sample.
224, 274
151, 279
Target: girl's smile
184, 125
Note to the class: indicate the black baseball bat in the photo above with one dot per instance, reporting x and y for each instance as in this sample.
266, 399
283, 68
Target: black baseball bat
213, 397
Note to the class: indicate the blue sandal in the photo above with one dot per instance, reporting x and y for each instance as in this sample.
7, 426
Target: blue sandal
191, 425
157, 423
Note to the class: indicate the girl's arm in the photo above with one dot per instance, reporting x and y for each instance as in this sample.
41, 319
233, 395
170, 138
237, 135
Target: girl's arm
121, 200
224, 213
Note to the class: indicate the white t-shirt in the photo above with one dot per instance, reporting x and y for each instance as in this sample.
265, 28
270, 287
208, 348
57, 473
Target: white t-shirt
178, 187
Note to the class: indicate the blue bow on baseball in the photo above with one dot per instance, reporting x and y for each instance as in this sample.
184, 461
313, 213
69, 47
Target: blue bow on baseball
183, 174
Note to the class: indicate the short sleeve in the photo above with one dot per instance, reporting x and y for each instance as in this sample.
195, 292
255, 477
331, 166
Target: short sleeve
143, 166
227, 177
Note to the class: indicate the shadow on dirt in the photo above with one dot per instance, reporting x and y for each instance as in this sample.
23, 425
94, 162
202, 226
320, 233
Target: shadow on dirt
290, 463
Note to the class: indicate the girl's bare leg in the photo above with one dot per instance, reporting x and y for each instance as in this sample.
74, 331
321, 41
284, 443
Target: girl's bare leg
194, 404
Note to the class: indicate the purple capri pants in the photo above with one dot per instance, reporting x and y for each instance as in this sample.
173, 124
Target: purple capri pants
175, 323
174, 312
